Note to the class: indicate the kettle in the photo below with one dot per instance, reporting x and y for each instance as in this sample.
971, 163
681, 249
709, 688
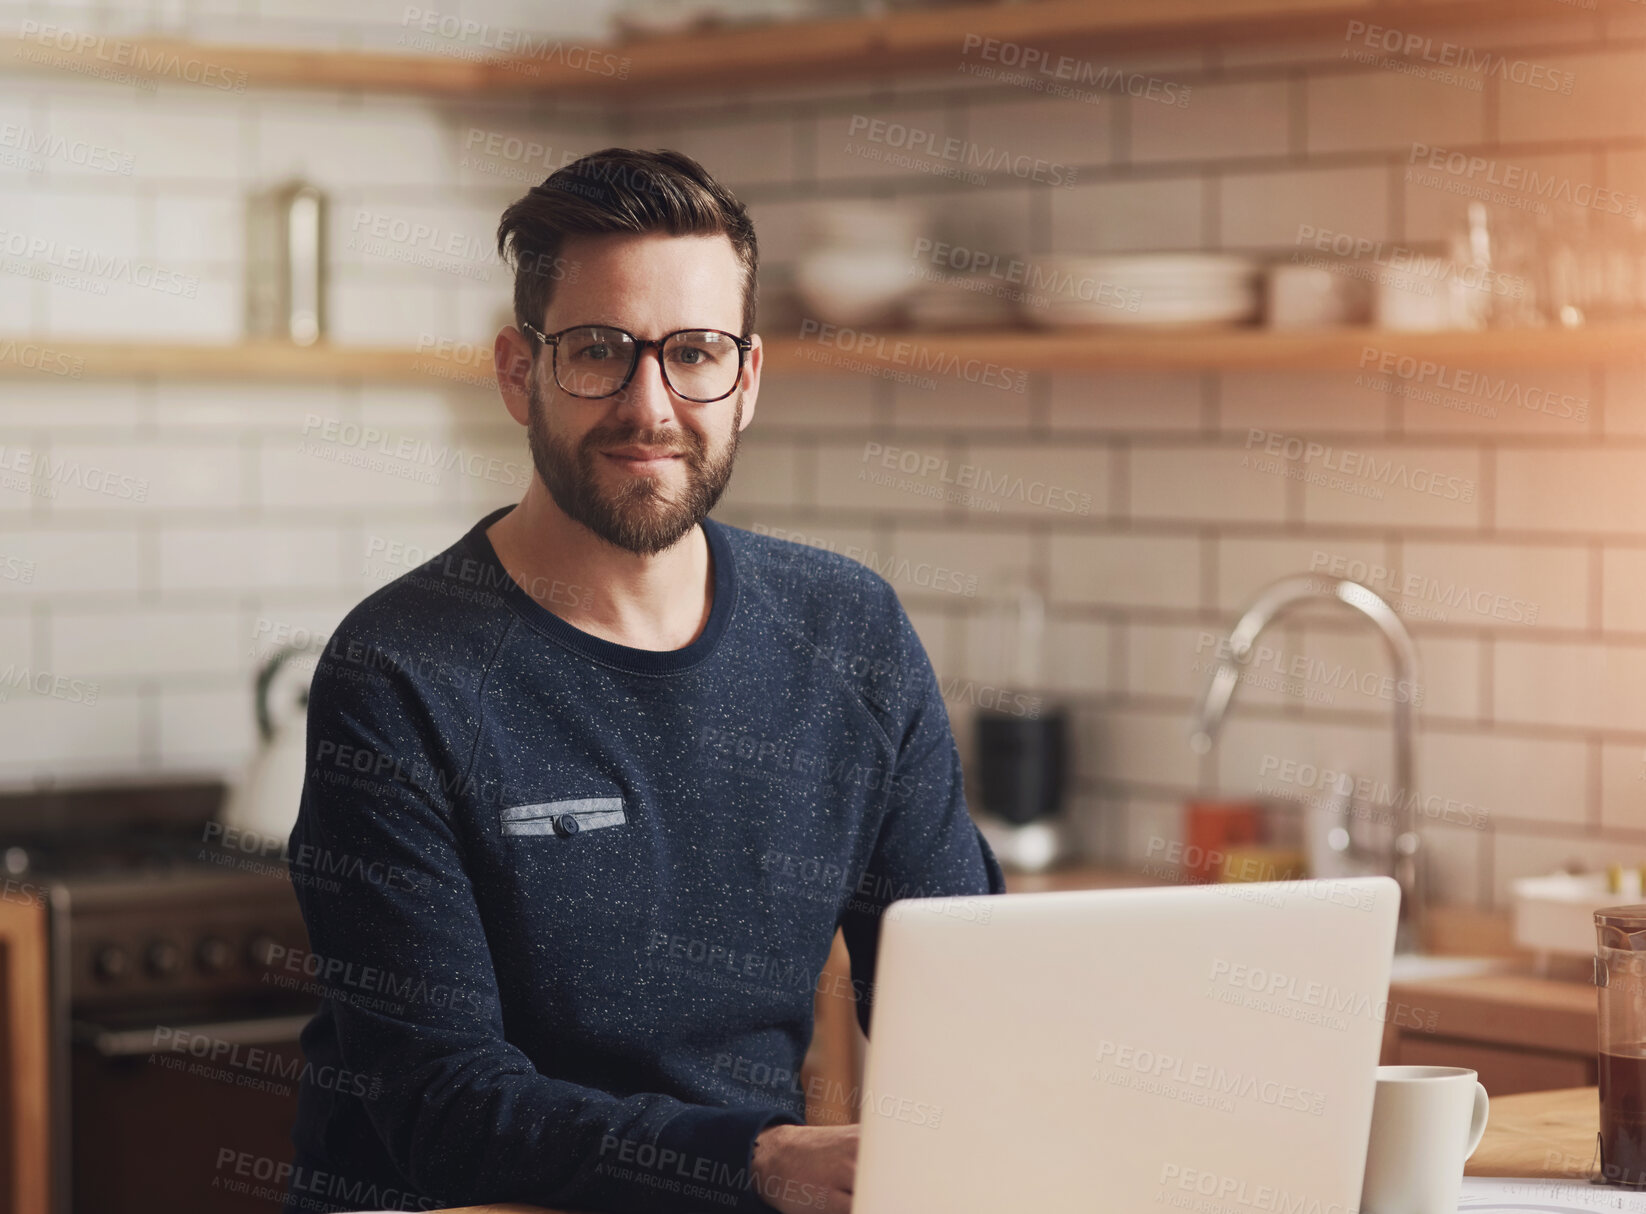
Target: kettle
264, 801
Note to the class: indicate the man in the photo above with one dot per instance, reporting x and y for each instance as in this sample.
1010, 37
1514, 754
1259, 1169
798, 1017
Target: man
589, 794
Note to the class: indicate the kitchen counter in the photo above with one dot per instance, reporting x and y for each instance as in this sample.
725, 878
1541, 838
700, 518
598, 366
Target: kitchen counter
1522, 1032
1534, 1134
1548, 1135
1515, 1008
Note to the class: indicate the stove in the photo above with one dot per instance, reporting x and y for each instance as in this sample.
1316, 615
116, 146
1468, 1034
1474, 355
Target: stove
171, 1030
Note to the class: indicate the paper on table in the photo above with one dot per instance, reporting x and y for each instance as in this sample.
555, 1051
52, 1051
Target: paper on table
1511, 1195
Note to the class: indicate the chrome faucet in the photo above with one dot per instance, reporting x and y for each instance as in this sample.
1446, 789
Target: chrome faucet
1271, 603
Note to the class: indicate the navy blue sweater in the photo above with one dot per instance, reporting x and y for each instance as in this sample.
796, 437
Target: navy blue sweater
569, 901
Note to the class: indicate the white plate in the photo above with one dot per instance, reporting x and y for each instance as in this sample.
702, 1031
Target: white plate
1056, 318
1158, 307
1178, 267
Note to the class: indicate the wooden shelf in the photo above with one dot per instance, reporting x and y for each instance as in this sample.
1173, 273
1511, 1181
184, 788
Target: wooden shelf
236, 68
780, 53
46, 358
1224, 349
936, 355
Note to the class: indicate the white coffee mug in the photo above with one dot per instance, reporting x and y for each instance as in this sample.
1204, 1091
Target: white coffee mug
1426, 1120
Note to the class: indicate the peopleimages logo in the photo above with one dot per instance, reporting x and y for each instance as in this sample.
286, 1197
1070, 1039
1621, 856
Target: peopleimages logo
95, 269
346, 981
924, 574
1417, 590
1205, 1191
1117, 1063
467, 38
397, 238
783, 756
1058, 75
36, 147
405, 455
1040, 283
99, 55
704, 1181
1424, 269
1425, 48
277, 1180
1302, 669
1360, 797
1393, 473
1426, 373
963, 153
243, 1064
987, 484
1330, 1002
43, 476
905, 356
503, 154
45, 683
16, 569
32, 356
1477, 170
818, 1089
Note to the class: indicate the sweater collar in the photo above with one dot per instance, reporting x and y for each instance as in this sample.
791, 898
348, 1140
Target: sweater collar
609, 653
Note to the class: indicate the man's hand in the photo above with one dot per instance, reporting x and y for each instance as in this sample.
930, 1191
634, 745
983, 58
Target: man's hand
807, 1169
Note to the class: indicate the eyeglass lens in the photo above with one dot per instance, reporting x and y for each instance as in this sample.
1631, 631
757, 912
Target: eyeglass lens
698, 364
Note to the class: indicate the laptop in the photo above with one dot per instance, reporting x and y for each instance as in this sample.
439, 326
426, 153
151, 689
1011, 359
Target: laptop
1208, 1048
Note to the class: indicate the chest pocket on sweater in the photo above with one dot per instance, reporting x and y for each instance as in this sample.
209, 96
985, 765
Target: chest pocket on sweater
563, 819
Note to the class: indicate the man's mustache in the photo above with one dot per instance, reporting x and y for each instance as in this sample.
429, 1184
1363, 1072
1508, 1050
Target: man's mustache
651, 440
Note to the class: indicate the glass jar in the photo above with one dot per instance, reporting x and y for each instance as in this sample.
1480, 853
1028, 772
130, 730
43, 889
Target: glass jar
1620, 973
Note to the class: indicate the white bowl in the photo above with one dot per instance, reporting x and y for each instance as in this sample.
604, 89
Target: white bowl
857, 225
853, 287
1556, 913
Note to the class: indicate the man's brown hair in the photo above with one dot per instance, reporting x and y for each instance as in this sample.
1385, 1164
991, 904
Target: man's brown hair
618, 190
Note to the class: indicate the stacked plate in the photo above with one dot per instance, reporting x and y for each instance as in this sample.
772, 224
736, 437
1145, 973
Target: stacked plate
972, 301
1143, 289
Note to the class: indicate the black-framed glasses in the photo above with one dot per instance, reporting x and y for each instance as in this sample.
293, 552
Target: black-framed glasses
592, 361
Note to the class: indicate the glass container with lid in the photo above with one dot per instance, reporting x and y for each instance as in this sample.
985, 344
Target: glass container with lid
1620, 975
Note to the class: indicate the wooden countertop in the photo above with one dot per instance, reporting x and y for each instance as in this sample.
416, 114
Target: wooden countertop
1515, 1008
1547, 1135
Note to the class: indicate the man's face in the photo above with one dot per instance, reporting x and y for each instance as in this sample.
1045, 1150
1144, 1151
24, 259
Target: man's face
642, 468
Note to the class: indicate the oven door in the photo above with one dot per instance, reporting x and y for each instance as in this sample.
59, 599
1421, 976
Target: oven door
175, 1116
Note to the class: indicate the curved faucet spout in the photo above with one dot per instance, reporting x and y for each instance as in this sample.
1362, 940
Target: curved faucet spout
1275, 601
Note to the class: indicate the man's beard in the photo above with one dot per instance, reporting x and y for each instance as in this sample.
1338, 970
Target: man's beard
640, 516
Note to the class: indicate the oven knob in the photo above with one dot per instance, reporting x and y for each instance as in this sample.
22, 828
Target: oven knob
111, 963
260, 952
163, 958
214, 954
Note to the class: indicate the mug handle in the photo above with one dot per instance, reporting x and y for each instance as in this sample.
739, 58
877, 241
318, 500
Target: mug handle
1477, 1119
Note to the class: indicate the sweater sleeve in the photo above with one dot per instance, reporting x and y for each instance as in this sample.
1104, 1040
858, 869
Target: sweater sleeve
409, 980
928, 845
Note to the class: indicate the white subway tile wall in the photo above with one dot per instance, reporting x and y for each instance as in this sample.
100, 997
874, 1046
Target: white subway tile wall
176, 532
